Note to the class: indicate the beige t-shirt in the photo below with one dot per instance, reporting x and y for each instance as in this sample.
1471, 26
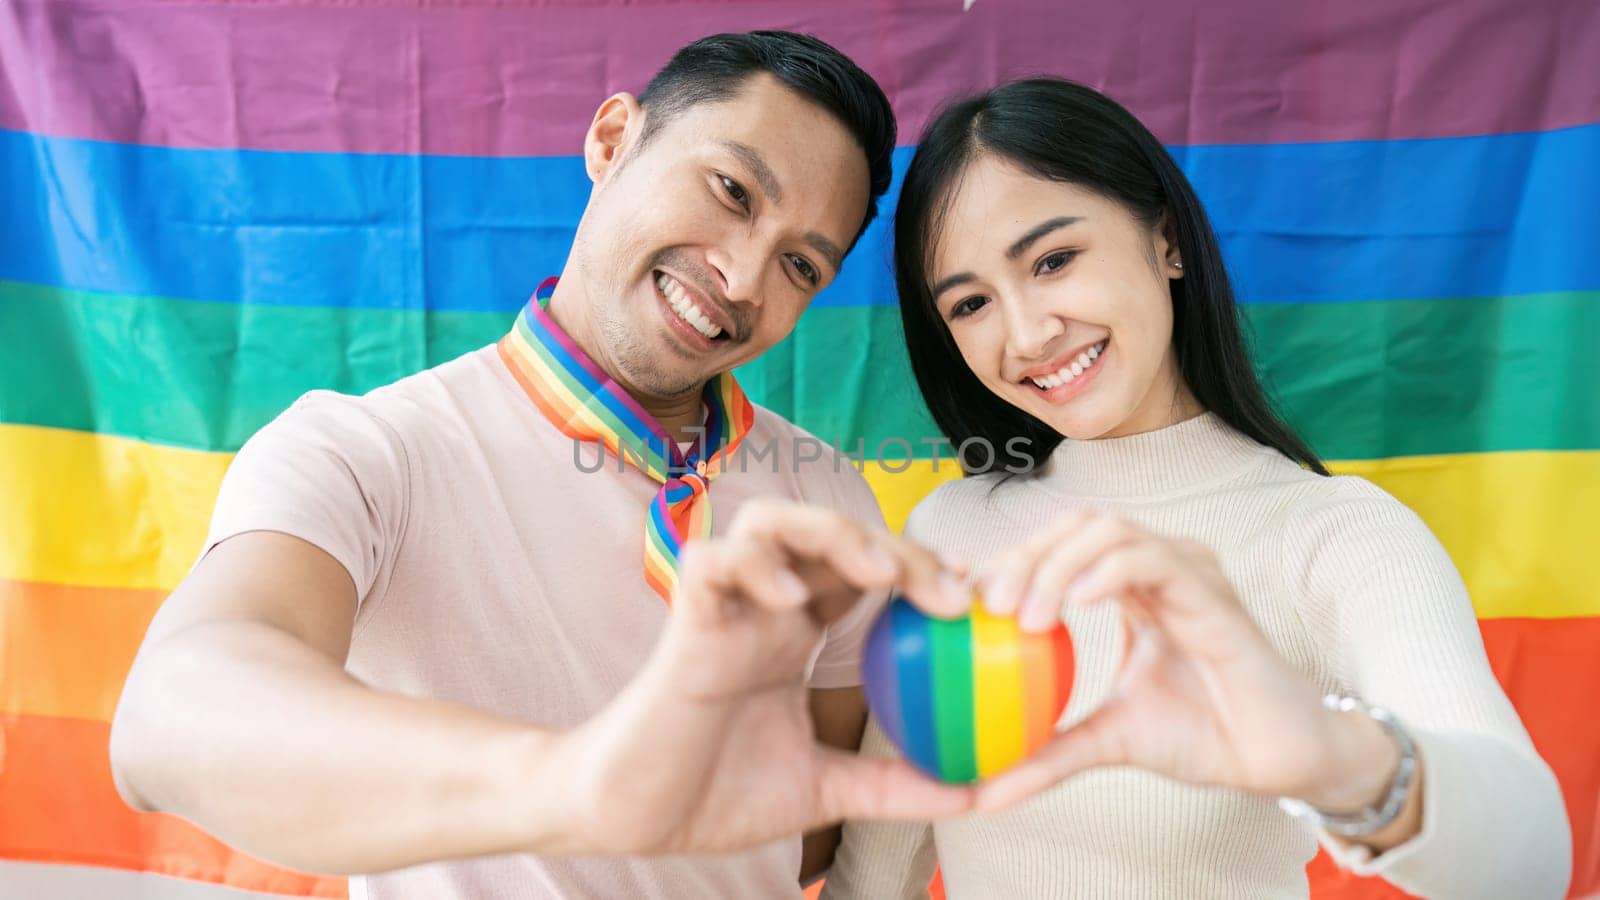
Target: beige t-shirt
494, 571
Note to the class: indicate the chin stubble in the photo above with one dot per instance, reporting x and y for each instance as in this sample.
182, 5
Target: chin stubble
633, 358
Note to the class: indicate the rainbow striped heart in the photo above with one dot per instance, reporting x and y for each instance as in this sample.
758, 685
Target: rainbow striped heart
965, 698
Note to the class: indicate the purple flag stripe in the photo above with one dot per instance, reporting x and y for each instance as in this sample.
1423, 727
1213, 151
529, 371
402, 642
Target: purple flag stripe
510, 80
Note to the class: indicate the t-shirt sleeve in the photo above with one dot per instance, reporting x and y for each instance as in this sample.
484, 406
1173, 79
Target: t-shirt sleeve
329, 472
841, 488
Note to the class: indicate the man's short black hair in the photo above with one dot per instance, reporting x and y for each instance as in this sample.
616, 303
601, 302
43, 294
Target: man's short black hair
714, 68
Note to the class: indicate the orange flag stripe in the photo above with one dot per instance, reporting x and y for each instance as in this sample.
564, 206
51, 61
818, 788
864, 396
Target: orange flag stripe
66, 649
58, 804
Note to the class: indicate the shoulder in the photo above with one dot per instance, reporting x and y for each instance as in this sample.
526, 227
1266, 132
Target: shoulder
825, 476
962, 502
1348, 506
770, 426
418, 410
387, 422
1313, 512
1344, 531
343, 425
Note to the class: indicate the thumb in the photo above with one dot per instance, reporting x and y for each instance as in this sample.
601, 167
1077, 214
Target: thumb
860, 787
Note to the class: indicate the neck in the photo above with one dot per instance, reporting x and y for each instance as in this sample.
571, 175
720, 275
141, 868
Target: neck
1168, 402
681, 418
679, 415
1180, 458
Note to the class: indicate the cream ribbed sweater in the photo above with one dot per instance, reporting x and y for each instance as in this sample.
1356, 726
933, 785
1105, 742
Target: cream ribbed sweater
1350, 586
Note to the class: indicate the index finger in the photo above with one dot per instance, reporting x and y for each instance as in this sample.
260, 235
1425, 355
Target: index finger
927, 580
867, 559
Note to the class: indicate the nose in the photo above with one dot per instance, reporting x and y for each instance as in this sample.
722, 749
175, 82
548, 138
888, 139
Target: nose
738, 263
1029, 329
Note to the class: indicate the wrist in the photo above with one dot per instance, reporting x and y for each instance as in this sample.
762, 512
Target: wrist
535, 792
1362, 763
1357, 762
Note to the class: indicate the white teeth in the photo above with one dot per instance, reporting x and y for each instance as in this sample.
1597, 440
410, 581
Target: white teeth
685, 308
1066, 373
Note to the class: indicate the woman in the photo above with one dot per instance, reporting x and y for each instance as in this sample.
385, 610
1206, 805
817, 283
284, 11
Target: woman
1059, 281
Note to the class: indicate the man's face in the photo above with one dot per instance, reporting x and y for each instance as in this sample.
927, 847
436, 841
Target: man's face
702, 247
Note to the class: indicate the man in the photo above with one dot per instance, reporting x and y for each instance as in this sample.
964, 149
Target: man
423, 637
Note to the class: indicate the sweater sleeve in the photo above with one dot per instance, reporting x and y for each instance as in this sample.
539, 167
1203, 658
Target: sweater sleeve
881, 860
1406, 638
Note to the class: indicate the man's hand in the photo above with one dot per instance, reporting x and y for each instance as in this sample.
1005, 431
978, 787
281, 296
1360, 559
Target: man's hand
711, 747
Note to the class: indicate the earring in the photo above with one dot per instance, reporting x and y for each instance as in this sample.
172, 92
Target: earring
1178, 264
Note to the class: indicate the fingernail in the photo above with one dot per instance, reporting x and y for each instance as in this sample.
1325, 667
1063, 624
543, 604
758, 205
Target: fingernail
952, 562
1037, 614
791, 587
999, 596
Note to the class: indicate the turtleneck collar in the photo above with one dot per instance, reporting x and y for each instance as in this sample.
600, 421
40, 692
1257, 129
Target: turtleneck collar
1193, 453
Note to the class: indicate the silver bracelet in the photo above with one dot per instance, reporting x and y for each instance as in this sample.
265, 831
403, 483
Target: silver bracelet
1380, 815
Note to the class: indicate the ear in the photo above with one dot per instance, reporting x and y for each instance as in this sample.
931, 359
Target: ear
1166, 249
614, 129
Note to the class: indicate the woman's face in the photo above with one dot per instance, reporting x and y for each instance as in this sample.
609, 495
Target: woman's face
1058, 300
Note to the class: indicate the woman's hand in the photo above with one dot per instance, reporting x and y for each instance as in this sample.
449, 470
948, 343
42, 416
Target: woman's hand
1201, 696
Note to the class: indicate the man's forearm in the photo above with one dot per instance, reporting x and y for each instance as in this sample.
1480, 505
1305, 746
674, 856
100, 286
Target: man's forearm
271, 746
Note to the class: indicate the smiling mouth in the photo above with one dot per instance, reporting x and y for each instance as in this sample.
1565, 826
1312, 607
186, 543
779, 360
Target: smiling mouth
1074, 369
684, 307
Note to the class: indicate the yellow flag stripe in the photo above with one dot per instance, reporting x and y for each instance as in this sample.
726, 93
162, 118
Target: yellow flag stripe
91, 510
1520, 526
97, 511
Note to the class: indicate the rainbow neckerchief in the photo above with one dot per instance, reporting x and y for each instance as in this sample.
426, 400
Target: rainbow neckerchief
587, 405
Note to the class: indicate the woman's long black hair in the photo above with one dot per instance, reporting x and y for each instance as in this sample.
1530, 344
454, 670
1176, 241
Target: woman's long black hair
1064, 131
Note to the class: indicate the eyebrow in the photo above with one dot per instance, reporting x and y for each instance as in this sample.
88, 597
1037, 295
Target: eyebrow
748, 155
1015, 250
1038, 231
955, 280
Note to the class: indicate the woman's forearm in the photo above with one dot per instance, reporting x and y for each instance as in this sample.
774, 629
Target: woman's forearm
1364, 762
1491, 823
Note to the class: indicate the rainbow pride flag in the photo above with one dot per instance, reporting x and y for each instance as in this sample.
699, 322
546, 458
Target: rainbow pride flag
207, 209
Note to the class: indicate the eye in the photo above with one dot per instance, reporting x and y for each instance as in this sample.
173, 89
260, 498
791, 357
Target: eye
1054, 262
967, 307
736, 192
805, 268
